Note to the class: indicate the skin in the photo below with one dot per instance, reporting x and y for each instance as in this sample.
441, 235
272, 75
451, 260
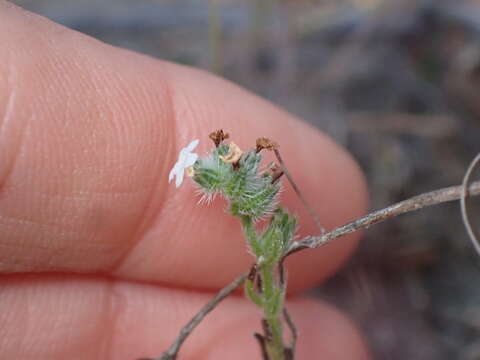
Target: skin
101, 258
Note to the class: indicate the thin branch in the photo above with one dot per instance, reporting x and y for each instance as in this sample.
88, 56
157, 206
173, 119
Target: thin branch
472, 233
415, 203
305, 203
293, 330
171, 353
261, 342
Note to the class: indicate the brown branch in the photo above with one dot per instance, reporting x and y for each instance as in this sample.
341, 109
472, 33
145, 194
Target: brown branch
171, 353
261, 342
415, 203
472, 233
293, 331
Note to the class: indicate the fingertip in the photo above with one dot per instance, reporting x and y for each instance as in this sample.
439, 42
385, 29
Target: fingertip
325, 332
97, 159
227, 333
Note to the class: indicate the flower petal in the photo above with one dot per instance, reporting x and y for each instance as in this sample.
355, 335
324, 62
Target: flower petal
190, 160
190, 147
179, 179
173, 172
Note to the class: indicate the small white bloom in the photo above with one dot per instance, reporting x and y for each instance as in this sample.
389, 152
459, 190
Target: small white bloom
185, 159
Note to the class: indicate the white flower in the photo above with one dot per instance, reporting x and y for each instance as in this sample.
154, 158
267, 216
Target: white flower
185, 159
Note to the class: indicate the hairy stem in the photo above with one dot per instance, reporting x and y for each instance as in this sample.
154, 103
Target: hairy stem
274, 344
269, 297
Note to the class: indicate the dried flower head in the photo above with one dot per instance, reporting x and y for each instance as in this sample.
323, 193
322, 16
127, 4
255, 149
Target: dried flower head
234, 154
265, 143
218, 136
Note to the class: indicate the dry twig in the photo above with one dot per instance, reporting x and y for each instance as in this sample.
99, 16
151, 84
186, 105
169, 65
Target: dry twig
293, 330
415, 203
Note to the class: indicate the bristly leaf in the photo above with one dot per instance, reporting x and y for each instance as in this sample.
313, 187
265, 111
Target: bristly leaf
251, 235
278, 235
258, 201
244, 177
211, 173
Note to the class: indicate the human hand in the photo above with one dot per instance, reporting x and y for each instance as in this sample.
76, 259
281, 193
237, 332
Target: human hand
99, 257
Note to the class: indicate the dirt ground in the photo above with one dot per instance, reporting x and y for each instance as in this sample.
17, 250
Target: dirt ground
397, 83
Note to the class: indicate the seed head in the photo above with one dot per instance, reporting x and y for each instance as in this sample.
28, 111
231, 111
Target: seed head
218, 136
265, 143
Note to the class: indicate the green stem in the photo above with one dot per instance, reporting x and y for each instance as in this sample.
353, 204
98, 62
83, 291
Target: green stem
275, 346
270, 299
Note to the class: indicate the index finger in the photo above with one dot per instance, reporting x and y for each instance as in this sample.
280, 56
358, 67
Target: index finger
89, 134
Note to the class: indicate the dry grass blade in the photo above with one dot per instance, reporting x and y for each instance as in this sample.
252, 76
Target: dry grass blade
304, 201
472, 233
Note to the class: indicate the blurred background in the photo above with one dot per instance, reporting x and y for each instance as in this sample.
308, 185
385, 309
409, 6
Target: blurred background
397, 83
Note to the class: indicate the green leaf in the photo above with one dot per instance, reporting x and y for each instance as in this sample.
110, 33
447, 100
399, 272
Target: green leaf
251, 235
258, 199
244, 177
252, 294
276, 238
211, 173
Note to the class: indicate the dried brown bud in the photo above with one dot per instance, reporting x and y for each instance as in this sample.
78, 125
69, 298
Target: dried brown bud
218, 136
265, 143
234, 154
267, 330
